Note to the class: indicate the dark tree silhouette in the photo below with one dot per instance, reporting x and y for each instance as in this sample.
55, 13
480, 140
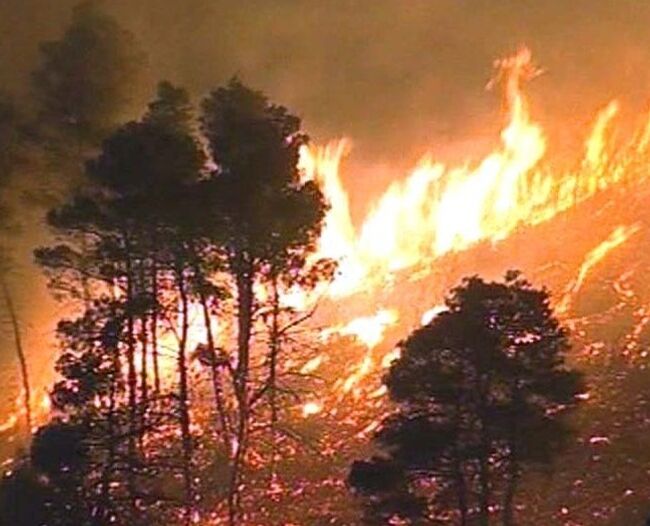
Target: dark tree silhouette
13, 140
482, 392
148, 164
128, 221
20, 350
26, 500
156, 231
267, 220
46, 489
88, 81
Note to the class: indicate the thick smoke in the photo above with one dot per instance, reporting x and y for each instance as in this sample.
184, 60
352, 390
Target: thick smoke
399, 77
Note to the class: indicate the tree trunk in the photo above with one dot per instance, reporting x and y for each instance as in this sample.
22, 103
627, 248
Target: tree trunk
214, 366
109, 467
22, 359
273, 363
154, 326
183, 395
234, 497
132, 381
244, 321
144, 345
144, 368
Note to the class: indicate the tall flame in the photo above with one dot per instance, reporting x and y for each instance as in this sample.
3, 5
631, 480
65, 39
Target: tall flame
438, 209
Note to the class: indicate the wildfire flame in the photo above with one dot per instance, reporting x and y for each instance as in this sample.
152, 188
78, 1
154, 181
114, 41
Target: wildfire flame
618, 236
368, 329
438, 209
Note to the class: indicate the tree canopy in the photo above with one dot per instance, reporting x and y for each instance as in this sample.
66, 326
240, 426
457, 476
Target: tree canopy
481, 391
89, 80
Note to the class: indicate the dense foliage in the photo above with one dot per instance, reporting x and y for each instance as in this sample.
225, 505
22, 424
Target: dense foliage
482, 393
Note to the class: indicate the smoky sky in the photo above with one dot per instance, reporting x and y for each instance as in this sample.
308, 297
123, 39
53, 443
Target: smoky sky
398, 76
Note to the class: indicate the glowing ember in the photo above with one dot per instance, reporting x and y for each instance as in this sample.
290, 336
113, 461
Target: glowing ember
429, 315
312, 365
311, 408
390, 357
360, 372
9, 423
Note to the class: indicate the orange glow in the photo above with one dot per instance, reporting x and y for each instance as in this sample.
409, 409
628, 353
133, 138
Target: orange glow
439, 209
433, 211
311, 408
618, 236
369, 330
40, 411
9, 423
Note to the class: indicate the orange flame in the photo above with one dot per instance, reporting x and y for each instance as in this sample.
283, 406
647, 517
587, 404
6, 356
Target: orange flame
369, 330
439, 209
617, 237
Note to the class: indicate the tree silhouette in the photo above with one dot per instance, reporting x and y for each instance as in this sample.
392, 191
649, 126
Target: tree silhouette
13, 139
26, 500
482, 392
157, 231
88, 80
266, 219
46, 490
128, 221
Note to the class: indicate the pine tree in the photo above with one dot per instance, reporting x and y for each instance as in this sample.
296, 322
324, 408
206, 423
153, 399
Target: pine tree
482, 393
266, 219
88, 81
134, 258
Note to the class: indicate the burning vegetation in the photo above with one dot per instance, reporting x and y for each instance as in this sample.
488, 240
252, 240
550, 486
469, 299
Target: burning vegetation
234, 343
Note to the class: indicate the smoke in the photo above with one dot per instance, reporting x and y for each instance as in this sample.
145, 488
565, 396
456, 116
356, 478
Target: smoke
398, 77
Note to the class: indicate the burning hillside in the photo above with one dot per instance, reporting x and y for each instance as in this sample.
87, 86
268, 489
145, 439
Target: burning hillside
604, 300
441, 223
577, 232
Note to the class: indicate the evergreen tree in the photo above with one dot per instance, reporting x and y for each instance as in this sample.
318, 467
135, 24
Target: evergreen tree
482, 392
267, 221
133, 258
152, 234
87, 81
